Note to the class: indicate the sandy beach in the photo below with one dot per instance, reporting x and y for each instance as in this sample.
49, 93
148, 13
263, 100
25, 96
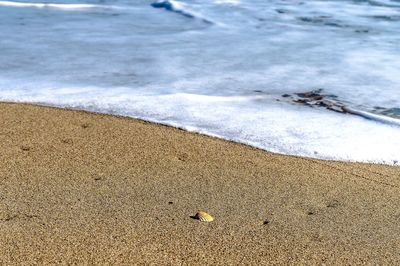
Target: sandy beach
84, 188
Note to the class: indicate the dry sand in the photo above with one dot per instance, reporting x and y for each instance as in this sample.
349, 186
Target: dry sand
83, 188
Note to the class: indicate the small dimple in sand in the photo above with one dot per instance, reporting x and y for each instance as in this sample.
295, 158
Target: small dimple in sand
5, 215
85, 125
25, 148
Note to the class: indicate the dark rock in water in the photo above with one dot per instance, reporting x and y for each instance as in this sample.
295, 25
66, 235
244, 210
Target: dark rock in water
163, 4
167, 5
331, 102
316, 98
280, 11
324, 103
310, 94
300, 101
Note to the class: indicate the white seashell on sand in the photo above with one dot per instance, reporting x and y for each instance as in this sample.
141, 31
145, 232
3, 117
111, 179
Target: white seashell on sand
203, 217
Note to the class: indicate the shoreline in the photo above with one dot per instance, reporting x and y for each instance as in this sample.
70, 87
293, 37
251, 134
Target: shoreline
394, 164
82, 187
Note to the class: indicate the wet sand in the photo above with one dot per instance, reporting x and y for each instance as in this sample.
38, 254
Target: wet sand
84, 188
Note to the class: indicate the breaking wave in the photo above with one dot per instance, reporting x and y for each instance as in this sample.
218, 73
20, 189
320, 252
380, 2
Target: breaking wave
49, 5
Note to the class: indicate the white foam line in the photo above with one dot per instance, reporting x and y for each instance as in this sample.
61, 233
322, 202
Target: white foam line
377, 118
48, 5
229, 2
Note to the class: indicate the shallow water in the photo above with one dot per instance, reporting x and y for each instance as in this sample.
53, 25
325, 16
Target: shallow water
219, 67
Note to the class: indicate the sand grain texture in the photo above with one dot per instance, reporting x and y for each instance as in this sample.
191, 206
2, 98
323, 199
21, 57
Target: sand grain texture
83, 188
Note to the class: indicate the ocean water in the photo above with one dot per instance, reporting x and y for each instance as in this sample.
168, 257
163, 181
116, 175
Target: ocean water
236, 69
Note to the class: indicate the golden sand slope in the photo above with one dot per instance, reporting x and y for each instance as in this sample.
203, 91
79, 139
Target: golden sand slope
85, 188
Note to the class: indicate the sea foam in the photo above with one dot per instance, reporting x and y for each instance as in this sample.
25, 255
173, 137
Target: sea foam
259, 121
48, 5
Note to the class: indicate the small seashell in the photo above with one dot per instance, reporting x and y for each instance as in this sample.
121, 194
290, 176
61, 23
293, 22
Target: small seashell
203, 217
